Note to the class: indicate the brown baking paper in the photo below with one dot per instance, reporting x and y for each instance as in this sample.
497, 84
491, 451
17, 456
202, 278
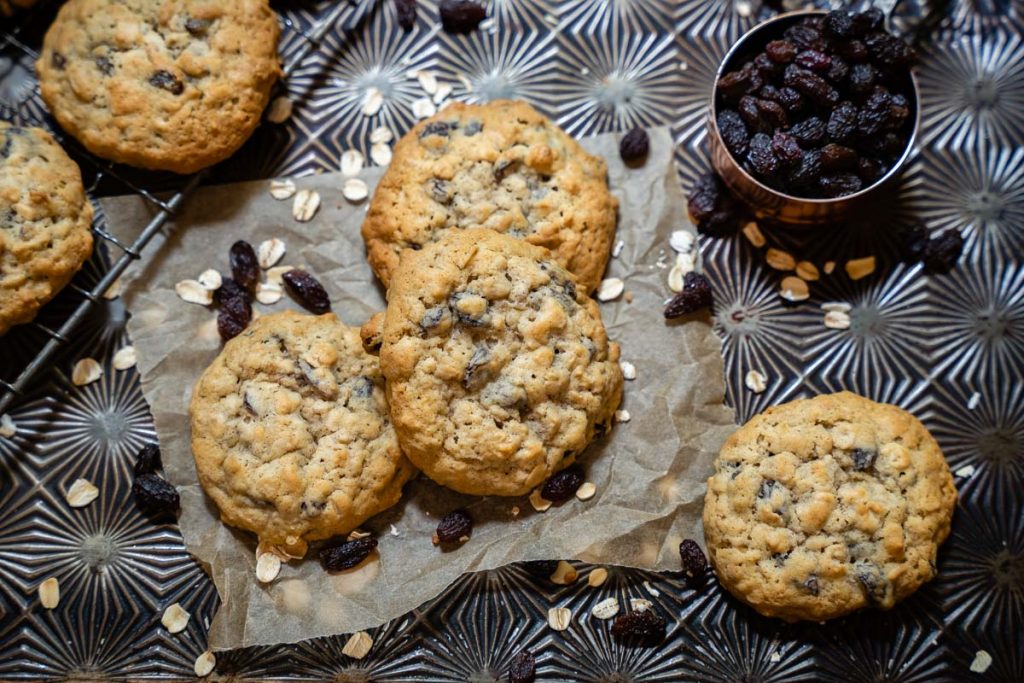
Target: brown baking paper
649, 472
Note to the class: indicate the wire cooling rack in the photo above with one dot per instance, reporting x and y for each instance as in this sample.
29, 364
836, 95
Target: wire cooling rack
165, 208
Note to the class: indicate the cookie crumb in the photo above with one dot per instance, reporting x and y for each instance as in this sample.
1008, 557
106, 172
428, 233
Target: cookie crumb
617, 249
622, 416
205, 664
605, 609
394, 530
597, 577
775, 658
586, 491
559, 618
628, 369
610, 288
175, 619
358, 645
982, 661
49, 593
81, 493
356, 534
124, 358
755, 381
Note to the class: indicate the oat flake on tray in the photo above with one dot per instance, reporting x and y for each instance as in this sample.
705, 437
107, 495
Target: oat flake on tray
678, 419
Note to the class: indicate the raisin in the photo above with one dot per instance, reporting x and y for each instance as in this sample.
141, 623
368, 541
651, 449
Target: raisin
810, 84
695, 296
405, 11
541, 569
942, 252
736, 84
238, 307
867, 21
197, 27
760, 157
346, 555
704, 197
871, 580
862, 79
791, 100
766, 67
839, 71
167, 81
229, 289
455, 528
770, 92
787, 149
899, 110
504, 169
523, 668
838, 25
810, 584
308, 290
888, 50
773, 113
245, 269
644, 626
148, 459
842, 123
751, 115
875, 115
440, 191
634, 145
838, 158
805, 176
561, 486
461, 16
914, 242
805, 37
888, 145
814, 60
433, 317
154, 494
58, 61
715, 211
481, 357
840, 184
436, 128
105, 66
695, 564
228, 326
869, 170
855, 51
734, 132
862, 459
810, 132
780, 51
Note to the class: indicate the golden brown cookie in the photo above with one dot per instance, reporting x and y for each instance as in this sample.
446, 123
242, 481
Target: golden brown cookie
502, 166
498, 366
824, 506
175, 85
45, 219
291, 434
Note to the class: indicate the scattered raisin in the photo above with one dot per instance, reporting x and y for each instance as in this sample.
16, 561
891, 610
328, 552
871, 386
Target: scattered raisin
541, 569
245, 268
148, 459
229, 326
455, 528
308, 290
562, 485
942, 252
634, 146
523, 668
644, 626
229, 289
694, 561
346, 555
913, 243
154, 494
733, 131
461, 16
167, 81
713, 208
780, 51
405, 10
695, 296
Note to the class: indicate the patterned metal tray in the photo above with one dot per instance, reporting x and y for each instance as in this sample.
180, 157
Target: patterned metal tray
949, 348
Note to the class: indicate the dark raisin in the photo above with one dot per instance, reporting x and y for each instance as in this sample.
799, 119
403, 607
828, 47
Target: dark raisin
105, 66
751, 115
308, 290
523, 668
405, 10
644, 626
228, 326
888, 50
862, 79
440, 191
197, 27
839, 71
541, 569
466, 318
814, 60
766, 67
761, 158
874, 116
704, 197
713, 208
561, 486
455, 528
839, 184
734, 132
58, 61
229, 289
461, 16
871, 580
787, 149
842, 123
838, 25
942, 252
810, 584
805, 176
869, 20
816, 88
764, 491
362, 387
838, 158
436, 128
346, 555
167, 81
472, 128
855, 51
148, 460
862, 459
505, 168
696, 295
245, 268
634, 145
481, 357
770, 92
154, 494
869, 170
810, 132
887, 145
805, 37
433, 317
899, 110
780, 51
773, 113
791, 100
694, 562
736, 84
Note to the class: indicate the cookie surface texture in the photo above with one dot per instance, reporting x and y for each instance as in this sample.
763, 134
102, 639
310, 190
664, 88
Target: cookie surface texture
45, 218
175, 85
290, 431
823, 506
501, 166
498, 367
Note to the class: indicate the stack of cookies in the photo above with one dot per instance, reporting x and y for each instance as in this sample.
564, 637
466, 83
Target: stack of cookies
489, 371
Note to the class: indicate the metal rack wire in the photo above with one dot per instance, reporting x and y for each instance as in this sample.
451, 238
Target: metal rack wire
166, 208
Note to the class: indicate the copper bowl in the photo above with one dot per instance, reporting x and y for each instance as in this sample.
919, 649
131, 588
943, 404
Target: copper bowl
764, 200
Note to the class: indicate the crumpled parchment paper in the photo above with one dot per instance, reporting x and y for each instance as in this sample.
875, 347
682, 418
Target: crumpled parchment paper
650, 472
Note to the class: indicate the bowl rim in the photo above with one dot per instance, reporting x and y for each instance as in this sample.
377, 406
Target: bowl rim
897, 167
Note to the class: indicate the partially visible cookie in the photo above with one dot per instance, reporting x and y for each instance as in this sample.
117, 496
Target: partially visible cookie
44, 222
175, 85
502, 166
498, 367
290, 431
823, 506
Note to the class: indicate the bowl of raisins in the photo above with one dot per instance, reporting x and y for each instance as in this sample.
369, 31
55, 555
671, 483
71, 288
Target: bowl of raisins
812, 113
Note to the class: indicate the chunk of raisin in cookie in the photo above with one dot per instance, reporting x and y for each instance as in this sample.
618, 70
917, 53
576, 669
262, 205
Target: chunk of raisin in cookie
167, 81
862, 459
